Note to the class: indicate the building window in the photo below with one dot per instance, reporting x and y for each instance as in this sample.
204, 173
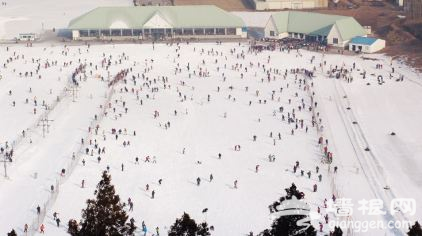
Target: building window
127, 32
188, 31
335, 40
178, 32
116, 32
231, 31
147, 32
83, 33
272, 33
199, 31
220, 31
94, 33
137, 32
209, 31
105, 32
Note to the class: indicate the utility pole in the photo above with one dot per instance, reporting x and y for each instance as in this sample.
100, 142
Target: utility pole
45, 125
74, 90
5, 160
5, 166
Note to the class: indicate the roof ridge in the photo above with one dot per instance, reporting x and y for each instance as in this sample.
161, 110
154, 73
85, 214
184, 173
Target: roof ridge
158, 11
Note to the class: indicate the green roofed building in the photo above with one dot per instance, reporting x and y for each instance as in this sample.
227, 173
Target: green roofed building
157, 22
332, 29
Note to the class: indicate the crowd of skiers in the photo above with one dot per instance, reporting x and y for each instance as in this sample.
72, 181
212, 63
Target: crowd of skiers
291, 97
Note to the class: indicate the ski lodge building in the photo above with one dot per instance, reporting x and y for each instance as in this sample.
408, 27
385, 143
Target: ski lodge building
157, 23
332, 30
366, 44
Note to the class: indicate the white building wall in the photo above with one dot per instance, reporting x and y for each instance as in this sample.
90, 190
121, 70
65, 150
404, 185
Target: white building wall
360, 48
274, 5
288, 4
309, 4
75, 34
335, 34
242, 34
157, 22
378, 45
375, 47
270, 26
283, 35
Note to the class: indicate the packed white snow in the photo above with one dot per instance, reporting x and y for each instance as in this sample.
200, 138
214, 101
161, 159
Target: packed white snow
179, 107
28, 16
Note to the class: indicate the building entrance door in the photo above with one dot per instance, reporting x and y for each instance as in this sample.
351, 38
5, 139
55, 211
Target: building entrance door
158, 34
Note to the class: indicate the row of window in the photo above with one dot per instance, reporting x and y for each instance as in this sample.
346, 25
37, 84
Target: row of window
148, 32
302, 36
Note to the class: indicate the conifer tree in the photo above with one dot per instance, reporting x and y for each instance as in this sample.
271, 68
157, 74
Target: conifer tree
287, 224
104, 215
12, 233
73, 227
337, 231
185, 226
415, 230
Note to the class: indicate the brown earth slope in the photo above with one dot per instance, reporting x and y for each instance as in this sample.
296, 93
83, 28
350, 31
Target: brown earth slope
404, 37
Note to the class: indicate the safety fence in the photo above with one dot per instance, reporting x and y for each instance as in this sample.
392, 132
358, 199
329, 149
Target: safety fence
320, 131
37, 221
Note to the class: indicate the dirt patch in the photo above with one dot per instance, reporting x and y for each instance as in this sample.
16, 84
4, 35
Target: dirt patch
414, 27
404, 37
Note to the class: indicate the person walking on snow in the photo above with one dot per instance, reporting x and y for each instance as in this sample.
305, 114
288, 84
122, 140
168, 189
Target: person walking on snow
144, 228
130, 203
42, 228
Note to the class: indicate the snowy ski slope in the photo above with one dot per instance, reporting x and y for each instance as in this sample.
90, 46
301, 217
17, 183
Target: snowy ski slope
202, 129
